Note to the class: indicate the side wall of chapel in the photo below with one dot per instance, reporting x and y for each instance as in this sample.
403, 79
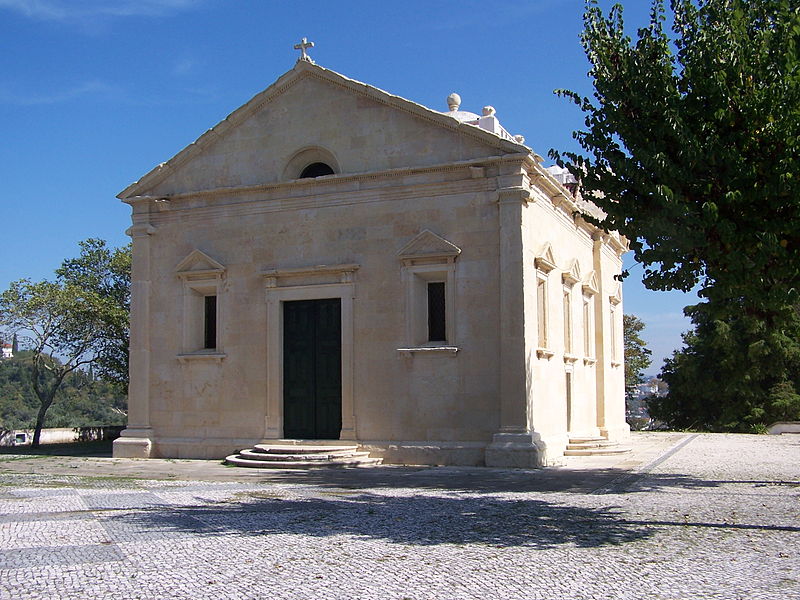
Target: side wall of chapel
576, 375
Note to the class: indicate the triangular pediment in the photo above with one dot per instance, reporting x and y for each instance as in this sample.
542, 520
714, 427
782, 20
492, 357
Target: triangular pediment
363, 128
573, 273
590, 284
428, 245
616, 296
199, 263
545, 261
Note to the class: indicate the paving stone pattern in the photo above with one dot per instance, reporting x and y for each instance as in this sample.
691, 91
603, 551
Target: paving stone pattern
717, 517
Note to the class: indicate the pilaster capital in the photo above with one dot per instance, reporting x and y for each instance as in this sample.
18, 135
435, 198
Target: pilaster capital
515, 194
140, 230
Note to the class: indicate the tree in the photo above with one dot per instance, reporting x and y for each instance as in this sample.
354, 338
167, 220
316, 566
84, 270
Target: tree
733, 374
82, 401
75, 321
637, 355
107, 273
694, 144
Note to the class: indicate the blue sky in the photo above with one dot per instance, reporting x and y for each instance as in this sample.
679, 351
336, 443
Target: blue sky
94, 93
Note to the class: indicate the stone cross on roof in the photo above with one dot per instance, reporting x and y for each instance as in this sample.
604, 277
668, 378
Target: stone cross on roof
303, 46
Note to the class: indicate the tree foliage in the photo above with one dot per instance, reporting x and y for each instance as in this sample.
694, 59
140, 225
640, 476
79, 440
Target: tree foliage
637, 354
70, 323
106, 273
694, 146
733, 374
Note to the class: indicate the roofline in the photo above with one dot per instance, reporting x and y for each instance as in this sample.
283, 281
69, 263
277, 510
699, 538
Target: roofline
301, 70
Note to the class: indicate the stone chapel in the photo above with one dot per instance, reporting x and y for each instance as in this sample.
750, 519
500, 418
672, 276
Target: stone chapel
333, 262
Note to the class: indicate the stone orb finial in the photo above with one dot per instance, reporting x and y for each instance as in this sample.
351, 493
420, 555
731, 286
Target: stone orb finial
454, 101
488, 111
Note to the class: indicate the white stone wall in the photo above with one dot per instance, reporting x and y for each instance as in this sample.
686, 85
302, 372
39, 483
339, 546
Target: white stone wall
226, 215
585, 262
397, 396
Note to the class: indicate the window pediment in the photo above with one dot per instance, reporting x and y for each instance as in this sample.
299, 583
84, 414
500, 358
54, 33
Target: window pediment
545, 261
428, 247
616, 297
199, 265
573, 274
590, 285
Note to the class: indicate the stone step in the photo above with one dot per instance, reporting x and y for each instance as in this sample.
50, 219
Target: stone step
302, 449
359, 461
587, 445
258, 455
586, 440
296, 454
604, 451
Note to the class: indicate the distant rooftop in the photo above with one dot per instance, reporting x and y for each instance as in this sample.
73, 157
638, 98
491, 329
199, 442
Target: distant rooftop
562, 175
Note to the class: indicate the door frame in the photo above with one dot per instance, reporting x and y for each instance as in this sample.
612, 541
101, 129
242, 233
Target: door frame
275, 296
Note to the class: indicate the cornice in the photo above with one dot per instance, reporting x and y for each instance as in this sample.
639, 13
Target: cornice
561, 200
339, 191
316, 182
344, 197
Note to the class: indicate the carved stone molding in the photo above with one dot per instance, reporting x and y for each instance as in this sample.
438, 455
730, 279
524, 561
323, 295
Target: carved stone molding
516, 194
428, 247
545, 261
544, 353
312, 275
199, 266
140, 230
573, 274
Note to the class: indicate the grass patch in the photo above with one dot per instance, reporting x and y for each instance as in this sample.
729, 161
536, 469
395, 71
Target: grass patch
10, 457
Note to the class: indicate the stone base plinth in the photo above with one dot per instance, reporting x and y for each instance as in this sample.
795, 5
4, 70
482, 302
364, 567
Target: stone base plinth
515, 450
133, 444
465, 454
619, 433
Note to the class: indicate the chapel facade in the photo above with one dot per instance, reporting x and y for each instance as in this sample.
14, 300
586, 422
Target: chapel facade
333, 262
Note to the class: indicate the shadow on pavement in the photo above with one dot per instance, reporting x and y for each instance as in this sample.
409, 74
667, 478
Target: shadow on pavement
416, 520
487, 480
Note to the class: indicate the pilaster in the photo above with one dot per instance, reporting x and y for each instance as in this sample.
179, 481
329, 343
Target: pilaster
600, 328
514, 445
136, 440
609, 343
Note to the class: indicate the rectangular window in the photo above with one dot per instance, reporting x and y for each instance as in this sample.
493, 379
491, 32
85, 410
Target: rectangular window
569, 401
567, 320
613, 333
541, 308
588, 329
210, 322
437, 328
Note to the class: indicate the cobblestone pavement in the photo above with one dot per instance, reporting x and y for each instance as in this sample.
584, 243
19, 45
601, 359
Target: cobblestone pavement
709, 516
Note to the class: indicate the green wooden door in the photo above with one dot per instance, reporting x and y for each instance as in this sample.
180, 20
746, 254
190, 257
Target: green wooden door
312, 369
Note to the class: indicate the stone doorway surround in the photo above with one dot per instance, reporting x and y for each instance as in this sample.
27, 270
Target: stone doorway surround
307, 283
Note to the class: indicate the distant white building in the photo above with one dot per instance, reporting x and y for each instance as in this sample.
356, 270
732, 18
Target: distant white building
7, 351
